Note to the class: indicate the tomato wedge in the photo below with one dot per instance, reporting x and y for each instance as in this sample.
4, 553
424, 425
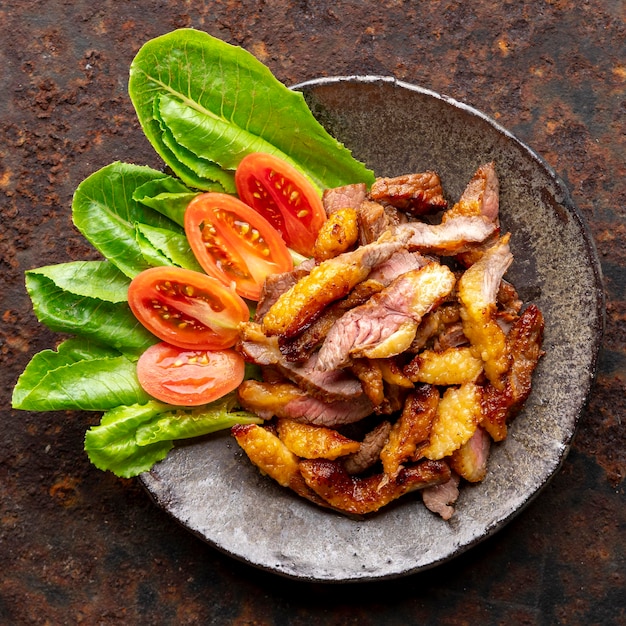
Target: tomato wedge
189, 377
281, 194
187, 309
235, 244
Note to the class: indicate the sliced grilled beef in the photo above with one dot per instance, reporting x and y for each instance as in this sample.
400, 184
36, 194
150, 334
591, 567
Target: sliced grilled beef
330, 386
386, 324
416, 194
362, 495
369, 452
441, 498
480, 197
329, 281
290, 401
342, 197
450, 238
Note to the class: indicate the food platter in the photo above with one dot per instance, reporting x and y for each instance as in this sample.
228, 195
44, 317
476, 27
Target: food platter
210, 487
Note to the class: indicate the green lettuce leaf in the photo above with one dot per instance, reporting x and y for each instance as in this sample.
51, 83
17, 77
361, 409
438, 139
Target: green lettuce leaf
80, 375
167, 195
109, 323
174, 248
105, 212
195, 88
93, 279
130, 439
112, 445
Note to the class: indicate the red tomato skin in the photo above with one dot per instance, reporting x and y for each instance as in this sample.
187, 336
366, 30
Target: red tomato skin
241, 257
147, 299
284, 196
183, 377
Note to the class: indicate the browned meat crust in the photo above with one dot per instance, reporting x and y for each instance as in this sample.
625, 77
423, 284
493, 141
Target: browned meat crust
360, 496
416, 194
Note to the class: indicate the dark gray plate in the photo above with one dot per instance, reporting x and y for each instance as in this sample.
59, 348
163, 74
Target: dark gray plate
397, 128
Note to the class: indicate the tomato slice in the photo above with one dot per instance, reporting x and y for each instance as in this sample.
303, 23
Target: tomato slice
189, 377
281, 194
187, 309
235, 244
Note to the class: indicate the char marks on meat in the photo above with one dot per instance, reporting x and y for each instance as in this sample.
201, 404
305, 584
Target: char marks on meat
480, 197
415, 194
362, 495
330, 386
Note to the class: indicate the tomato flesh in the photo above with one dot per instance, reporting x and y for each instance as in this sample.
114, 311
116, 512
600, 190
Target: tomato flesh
281, 194
187, 309
235, 244
186, 377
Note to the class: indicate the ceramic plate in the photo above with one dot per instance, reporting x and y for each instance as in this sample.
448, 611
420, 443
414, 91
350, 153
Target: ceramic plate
396, 128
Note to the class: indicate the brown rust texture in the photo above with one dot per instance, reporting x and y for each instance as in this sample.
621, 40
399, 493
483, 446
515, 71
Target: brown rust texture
80, 546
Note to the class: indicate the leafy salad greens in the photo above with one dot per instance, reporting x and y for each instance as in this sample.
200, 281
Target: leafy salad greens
203, 104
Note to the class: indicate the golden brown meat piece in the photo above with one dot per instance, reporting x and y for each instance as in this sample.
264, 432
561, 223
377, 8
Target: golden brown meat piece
524, 343
478, 289
337, 235
271, 456
327, 282
458, 415
314, 442
412, 429
453, 366
470, 460
371, 378
362, 495
480, 197
458, 234
416, 194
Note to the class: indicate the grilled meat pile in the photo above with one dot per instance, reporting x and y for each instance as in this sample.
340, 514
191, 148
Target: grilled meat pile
395, 356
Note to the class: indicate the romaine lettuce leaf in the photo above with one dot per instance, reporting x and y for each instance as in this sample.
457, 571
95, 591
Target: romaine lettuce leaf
189, 82
78, 376
109, 323
105, 212
167, 195
130, 439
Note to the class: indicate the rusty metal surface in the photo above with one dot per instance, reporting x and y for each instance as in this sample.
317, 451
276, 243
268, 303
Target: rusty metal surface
78, 545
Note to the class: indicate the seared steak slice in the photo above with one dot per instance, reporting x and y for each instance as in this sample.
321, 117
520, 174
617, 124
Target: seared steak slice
416, 194
275, 285
470, 460
329, 386
440, 498
290, 401
412, 429
386, 324
397, 264
449, 238
368, 453
300, 348
480, 197
357, 495
524, 343
342, 197
329, 281
373, 221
